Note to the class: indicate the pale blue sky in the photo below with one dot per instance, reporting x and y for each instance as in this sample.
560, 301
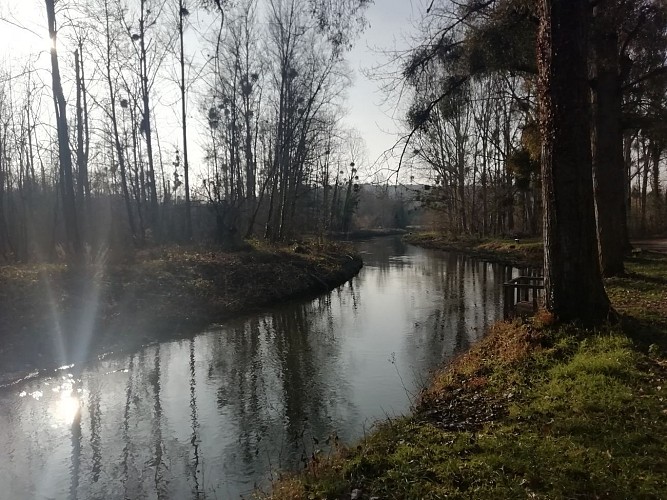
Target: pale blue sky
391, 23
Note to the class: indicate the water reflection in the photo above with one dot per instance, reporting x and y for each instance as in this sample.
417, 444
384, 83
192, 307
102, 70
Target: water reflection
217, 414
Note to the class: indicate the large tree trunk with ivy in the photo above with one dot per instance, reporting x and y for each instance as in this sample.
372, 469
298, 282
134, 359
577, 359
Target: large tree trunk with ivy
574, 288
608, 164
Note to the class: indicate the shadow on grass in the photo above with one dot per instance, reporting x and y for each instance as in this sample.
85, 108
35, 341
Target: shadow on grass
645, 332
656, 280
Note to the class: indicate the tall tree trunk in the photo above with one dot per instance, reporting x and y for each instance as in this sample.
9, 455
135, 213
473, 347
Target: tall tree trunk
268, 228
64, 152
574, 289
182, 12
485, 195
628, 140
509, 187
146, 121
120, 153
135, 183
249, 157
81, 160
656, 150
4, 234
644, 187
607, 144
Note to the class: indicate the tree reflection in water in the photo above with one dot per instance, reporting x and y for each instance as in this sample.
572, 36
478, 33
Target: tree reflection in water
216, 414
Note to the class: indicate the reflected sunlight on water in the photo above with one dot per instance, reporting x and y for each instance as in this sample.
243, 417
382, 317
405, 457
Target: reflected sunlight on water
66, 408
218, 413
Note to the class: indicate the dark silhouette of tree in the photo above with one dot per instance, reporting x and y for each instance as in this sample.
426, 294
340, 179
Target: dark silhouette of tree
65, 153
480, 40
574, 288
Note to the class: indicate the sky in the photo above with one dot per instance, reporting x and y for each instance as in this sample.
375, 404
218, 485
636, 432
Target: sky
370, 111
23, 29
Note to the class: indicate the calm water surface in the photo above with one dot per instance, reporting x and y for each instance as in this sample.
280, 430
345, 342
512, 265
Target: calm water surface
215, 415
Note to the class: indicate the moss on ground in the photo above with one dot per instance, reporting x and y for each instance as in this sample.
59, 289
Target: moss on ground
532, 411
158, 293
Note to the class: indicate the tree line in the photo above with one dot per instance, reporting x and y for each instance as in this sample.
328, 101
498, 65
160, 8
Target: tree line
547, 111
88, 161
475, 122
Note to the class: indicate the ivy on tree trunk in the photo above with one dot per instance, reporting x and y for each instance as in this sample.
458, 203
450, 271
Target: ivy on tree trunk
574, 288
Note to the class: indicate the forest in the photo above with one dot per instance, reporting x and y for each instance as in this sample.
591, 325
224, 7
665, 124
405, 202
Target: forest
527, 112
475, 123
261, 82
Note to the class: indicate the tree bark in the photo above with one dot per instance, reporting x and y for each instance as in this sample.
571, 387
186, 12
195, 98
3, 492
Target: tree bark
656, 149
114, 124
573, 282
644, 187
4, 234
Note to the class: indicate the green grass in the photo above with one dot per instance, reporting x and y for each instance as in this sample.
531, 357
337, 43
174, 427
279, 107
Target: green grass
576, 414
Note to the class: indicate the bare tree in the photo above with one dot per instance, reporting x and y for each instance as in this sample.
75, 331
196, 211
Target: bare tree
65, 154
182, 14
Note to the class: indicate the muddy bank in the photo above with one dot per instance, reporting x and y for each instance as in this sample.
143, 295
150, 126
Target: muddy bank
53, 315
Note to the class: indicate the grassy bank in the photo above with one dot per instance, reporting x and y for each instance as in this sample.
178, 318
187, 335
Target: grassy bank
158, 293
532, 411
524, 252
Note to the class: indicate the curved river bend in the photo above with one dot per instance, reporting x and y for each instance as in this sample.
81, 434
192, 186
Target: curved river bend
215, 415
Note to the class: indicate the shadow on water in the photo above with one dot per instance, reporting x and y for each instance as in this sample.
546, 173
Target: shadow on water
216, 415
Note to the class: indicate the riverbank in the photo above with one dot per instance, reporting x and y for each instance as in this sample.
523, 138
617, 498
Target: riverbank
52, 314
364, 234
514, 252
533, 410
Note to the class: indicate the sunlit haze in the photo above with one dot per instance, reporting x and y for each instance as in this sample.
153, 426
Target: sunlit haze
23, 29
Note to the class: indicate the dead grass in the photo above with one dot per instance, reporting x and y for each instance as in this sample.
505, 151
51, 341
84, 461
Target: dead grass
506, 344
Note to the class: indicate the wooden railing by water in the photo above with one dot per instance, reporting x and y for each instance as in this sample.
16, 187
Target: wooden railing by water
522, 295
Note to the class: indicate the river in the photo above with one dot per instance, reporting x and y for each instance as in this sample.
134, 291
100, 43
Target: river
218, 414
